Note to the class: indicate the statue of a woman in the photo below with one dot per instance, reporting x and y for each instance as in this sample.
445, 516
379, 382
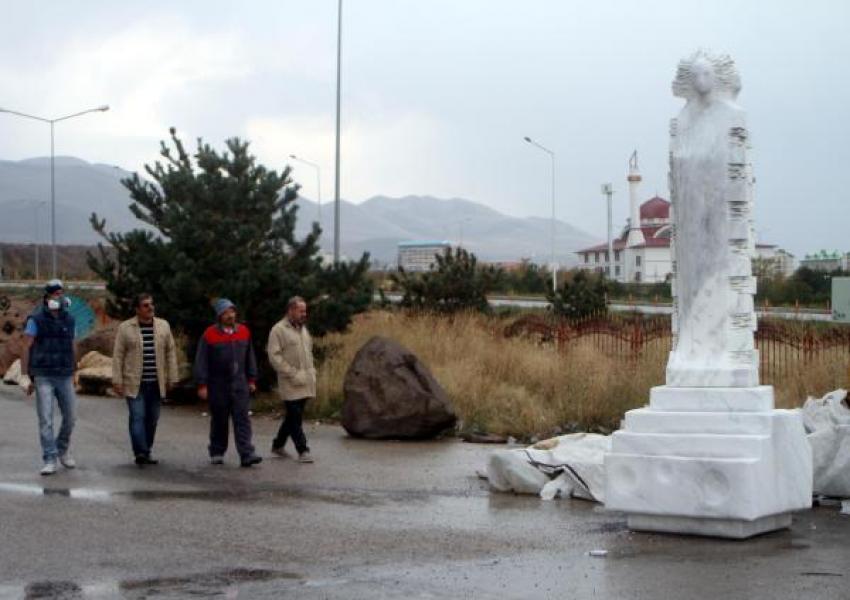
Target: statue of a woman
711, 190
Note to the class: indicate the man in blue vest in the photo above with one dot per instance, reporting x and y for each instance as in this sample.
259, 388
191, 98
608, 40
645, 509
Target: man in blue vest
48, 360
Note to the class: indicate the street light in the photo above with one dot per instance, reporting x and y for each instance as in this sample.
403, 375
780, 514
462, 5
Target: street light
38, 206
318, 181
608, 190
552, 225
53, 170
336, 177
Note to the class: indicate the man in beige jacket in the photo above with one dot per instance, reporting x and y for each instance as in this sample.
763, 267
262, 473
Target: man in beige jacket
290, 351
144, 369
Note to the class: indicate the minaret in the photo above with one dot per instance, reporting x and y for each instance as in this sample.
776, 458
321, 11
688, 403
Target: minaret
635, 232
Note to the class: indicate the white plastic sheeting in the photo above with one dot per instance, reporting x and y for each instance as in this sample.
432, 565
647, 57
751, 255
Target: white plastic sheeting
568, 465
827, 422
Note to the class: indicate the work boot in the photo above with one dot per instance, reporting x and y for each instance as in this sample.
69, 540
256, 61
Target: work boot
279, 451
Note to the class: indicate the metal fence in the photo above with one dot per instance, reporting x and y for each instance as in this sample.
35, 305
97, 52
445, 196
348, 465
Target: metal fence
784, 346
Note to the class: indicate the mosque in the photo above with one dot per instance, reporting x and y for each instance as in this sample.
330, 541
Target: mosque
642, 252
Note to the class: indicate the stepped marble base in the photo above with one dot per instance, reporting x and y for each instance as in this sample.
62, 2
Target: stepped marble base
696, 461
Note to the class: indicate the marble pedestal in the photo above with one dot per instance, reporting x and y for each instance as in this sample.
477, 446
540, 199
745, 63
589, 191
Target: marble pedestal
709, 461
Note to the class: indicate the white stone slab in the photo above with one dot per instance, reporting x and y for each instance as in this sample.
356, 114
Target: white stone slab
693, 445
712, 399
726, 528
644, 420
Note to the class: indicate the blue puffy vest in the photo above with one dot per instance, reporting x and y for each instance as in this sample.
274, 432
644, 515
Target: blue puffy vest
52, 351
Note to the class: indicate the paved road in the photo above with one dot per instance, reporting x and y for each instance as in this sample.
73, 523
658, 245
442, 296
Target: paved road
368, 520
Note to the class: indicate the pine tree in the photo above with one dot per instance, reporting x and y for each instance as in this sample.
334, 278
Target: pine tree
455, 282
583, 294
222, 225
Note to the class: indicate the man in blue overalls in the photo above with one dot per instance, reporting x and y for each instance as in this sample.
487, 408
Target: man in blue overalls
225, 373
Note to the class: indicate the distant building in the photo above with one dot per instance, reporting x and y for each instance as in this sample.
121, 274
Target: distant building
642, 251
826, 261
418, 256
770, 261
647, 260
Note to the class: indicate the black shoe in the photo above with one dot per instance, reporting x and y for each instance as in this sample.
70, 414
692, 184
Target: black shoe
144, 459
250, 461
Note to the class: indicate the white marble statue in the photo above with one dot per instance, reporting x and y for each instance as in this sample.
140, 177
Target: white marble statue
711, 188
710, 455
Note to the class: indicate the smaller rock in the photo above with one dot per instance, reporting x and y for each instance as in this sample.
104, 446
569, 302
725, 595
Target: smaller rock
13, 374
94, 376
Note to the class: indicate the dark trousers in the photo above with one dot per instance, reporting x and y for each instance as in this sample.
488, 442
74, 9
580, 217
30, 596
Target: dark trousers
144, 415
223, 408
291, 426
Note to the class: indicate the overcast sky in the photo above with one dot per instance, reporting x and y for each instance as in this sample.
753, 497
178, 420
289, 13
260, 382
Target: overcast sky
438, 94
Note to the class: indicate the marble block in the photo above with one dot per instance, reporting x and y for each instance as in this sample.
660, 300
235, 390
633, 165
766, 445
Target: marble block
727, 474
712, 399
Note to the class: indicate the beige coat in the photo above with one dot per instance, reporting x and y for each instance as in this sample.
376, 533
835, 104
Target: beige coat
127, 356
290, 352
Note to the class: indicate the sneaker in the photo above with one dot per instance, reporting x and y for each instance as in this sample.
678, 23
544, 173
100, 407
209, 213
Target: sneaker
216, 460
280, 452
305, 457
49, 468
250, 461
68, 461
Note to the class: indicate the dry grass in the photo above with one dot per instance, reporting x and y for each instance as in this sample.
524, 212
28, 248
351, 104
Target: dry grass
504, 386
522, 388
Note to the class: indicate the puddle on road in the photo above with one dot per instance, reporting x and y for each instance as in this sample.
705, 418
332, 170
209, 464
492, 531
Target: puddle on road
333, 496
38, 490
209, 584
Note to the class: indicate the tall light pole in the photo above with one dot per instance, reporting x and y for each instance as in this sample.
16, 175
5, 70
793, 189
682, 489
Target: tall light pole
52, 122
338, 81
554, 265
318, 181
608, 190
38, 206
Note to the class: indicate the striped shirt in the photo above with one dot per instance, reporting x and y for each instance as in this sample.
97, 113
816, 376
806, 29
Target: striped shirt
148, 354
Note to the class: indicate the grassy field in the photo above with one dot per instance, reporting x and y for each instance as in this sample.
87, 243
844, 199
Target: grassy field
521, 388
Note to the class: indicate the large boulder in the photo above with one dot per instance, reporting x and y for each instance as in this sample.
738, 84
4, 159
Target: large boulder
389, 393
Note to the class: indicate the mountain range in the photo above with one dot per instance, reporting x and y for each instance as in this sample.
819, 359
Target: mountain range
376, 225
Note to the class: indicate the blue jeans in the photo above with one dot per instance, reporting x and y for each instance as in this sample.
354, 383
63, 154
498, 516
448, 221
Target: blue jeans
48, 388
144, 415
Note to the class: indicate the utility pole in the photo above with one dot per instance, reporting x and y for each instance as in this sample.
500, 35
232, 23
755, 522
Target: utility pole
338, 82
608, 190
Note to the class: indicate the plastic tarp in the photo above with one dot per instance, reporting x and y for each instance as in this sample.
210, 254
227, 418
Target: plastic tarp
827, 422
566, 466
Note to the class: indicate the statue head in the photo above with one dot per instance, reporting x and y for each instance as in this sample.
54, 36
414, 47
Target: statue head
704, 74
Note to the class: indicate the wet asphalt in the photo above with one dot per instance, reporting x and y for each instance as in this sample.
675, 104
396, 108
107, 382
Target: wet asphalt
367, 520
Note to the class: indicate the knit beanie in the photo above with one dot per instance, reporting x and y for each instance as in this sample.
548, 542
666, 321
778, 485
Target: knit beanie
221, 305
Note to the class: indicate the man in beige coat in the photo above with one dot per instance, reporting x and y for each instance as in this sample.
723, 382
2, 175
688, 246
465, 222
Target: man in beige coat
290, 351
144, 369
